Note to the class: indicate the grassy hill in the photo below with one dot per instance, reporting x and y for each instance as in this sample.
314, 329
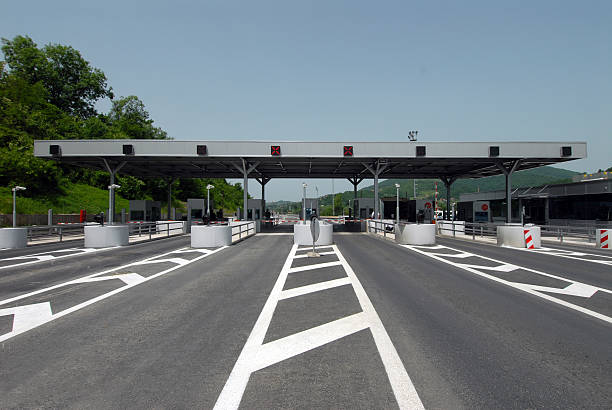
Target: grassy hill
74, 198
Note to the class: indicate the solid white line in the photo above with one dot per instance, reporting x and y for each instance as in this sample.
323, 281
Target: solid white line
403, 388
525, 287
571, 255
72, 309
298, 343
313, 267
316, 287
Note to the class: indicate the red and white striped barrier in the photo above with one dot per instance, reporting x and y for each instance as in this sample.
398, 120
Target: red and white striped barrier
528, 239
603, 238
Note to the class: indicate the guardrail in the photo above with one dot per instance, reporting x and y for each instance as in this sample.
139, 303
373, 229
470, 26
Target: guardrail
155, 228
61, 231
386, 227
242, 230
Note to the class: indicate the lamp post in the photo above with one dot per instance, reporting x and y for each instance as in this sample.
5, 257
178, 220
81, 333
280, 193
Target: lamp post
304, 185
397, 187
111, 208
17, 188
208, 188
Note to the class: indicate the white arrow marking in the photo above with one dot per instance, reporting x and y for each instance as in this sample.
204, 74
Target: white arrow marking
575, 289
28, 316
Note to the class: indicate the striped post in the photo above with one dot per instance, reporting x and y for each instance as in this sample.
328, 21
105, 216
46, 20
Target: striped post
528, 239
602, 239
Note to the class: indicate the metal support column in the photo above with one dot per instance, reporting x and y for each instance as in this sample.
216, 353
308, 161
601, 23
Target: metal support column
170, 181
263, 181
508, 172
245, 169
448, 181
111, 192
355, 181
380, 167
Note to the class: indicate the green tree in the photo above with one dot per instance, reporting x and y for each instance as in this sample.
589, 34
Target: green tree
129, 119
73, 85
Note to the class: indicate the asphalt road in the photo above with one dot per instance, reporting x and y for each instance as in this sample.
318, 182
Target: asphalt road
369, 324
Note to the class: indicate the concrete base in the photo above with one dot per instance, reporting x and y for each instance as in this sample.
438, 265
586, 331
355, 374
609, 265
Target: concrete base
302, 235
97, 236
514, 236
415, 234
210, 236
13, 238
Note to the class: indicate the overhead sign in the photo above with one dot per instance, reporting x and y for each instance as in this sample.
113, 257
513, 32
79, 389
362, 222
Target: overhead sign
348, 150
275, 150
484, 207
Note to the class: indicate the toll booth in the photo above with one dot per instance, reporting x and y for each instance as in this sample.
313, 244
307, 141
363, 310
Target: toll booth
364, 207
312, 207
405, 208
255, 210
196, 211
145, 210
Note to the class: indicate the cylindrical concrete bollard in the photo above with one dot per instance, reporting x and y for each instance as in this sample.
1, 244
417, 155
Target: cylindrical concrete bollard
518, 236
13, 238
210, 236
415, 234
104, 236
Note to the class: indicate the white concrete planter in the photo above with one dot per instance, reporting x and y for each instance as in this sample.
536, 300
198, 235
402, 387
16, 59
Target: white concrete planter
210, 236
514, 236
104, 236
13, 238
415, 234
302, 235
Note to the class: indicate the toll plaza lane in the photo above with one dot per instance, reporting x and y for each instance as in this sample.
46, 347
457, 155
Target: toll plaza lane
56, 264
468, 341
168, 342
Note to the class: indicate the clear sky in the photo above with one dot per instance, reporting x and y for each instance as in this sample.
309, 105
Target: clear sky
348, 70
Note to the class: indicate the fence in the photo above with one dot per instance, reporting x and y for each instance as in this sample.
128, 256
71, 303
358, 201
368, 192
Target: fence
241, 230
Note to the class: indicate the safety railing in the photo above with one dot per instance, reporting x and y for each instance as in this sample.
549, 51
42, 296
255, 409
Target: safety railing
466, 229
49, 232
381, 227
561, 233
157, 229
241, 230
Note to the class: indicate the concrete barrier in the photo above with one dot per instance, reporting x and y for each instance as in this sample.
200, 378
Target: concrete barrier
518, 236
602, 240
103, 236
302, 235
210, 236
13, 238
415, 234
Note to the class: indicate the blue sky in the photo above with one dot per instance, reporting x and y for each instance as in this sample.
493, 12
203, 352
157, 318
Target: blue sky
348, 70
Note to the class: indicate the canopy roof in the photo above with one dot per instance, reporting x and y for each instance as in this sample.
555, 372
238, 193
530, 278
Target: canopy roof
272, 159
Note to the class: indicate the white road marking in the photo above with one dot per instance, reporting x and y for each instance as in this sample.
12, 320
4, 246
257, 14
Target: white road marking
130, 280
316, 287
320, 253
313, 267
28, 316
575, 288
256, 355
45, 256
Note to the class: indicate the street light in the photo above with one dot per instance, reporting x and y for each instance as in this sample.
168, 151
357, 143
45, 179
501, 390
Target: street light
17, 188
397, 187
208, 188
111, 208
304, 185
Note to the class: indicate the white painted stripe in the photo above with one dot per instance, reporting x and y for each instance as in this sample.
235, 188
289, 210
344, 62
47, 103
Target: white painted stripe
298, 343
309, 247
320, 253
75, 308
28, 316
178, 261
525, 287
575, 289
313, 267
602, 259
316, 287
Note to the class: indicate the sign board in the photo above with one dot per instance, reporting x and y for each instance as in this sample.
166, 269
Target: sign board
315, 229
482, 211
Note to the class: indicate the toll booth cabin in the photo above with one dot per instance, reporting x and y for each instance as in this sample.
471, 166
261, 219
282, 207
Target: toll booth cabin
411, 210
145, 210
312, 207
364, 208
